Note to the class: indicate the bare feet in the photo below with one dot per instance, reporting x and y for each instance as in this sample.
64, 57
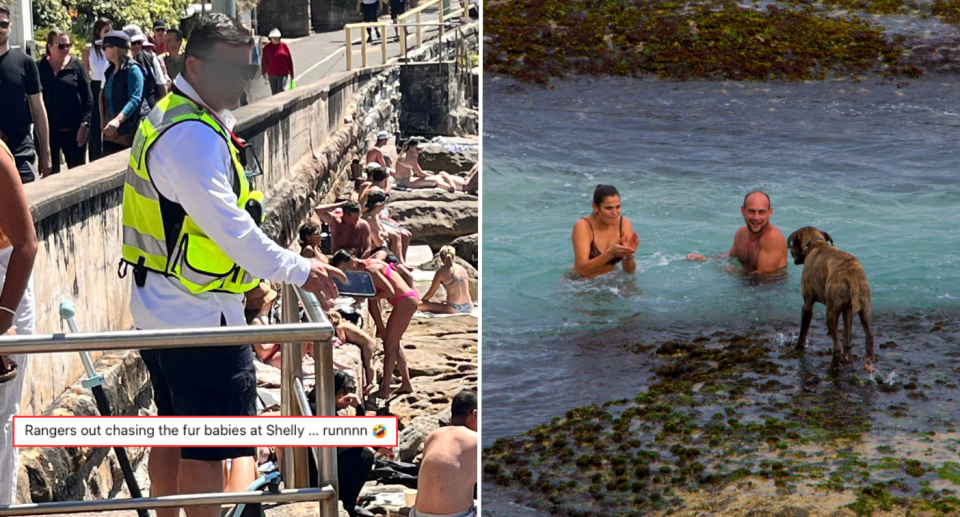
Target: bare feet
404, 389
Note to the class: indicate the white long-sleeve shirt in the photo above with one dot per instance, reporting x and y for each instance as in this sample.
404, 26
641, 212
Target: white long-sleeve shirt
191, 165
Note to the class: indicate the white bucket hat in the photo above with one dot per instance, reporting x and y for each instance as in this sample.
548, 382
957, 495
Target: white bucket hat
275, 33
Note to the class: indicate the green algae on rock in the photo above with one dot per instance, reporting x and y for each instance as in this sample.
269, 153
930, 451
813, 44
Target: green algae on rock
727, 414
535, 40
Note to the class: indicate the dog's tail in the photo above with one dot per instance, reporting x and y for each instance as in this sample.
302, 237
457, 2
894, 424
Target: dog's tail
854, 295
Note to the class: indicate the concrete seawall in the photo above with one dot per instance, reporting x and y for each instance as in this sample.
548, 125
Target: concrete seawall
304, 138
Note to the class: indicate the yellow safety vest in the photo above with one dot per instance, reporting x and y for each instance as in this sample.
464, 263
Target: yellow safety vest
150, 220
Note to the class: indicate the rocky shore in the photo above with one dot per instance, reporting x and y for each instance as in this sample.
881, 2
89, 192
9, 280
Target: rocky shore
735, 422
539, 41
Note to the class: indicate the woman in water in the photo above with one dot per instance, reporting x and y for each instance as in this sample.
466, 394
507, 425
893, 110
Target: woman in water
604, 229
455, 282
390, 286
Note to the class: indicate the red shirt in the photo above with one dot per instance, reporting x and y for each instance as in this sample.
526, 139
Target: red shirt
276, 59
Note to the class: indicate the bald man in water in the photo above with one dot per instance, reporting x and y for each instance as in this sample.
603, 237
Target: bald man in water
758, 245
448, 472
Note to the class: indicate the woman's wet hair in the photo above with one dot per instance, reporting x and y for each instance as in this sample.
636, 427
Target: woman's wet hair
340, 257
447, 254
603, 192
306, 231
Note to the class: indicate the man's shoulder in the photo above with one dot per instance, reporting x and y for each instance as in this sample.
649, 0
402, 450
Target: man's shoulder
774, 237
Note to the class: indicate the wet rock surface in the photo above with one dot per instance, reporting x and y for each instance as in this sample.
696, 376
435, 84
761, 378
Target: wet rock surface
740, 423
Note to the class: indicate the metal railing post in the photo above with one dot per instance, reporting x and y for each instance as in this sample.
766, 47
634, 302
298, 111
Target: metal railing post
326, 400
349, 49
295, 473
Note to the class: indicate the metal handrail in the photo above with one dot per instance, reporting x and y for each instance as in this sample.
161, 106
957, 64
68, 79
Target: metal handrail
166, 338
292, 495
319, 330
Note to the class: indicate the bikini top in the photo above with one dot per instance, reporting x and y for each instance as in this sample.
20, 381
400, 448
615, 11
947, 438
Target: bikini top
386, 273
594, 251
455, 280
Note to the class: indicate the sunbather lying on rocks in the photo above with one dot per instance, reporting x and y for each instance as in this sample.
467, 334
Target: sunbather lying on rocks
410, 175
456, 283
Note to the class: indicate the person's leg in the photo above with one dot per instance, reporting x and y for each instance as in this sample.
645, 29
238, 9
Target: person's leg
95, 140
243, 472
353, 467
199, 477
164, 462
437, 308
397, 324
357, 336
56, 140
209, 381
11, 392
75, 155
26, 161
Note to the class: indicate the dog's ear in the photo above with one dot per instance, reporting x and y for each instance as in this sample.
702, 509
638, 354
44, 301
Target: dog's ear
793, 242
827, 237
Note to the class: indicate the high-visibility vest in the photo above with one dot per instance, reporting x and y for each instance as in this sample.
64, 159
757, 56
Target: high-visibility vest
158, 235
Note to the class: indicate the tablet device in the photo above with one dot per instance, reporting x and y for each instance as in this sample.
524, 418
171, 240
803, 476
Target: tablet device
359, 283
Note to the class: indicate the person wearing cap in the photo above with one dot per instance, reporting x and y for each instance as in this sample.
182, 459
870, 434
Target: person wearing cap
375, 153
158, 39
121, 99
190, 262
447, 480
410, 175
154, 79
277, 62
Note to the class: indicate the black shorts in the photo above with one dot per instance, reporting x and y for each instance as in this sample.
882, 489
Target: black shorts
397, 7
390, 258
204, 381
370, 11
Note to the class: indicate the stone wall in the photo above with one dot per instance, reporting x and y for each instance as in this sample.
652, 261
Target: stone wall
305, 139
292, 17
332, 15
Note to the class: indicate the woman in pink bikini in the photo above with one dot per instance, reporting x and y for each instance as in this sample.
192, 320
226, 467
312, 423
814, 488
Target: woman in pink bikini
390, 286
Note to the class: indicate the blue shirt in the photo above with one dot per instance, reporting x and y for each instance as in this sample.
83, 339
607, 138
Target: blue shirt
134, 93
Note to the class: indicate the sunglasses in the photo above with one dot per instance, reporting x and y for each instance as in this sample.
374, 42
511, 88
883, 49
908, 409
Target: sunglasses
132, 43
64, 46
4, 25
159, 30
228, 69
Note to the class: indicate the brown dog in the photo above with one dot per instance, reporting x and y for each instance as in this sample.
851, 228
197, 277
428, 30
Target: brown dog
836, 279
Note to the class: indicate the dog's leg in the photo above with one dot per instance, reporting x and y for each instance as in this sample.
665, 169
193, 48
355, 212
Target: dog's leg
805, 318
848, 334
865, 321
833, 322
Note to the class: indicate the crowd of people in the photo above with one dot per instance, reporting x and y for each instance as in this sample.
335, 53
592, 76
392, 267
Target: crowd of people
195, 259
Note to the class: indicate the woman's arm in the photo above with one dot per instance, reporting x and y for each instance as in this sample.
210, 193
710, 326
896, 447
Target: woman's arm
433, 287
374, 305
86, 98
629, 261
134, 93
289, 59
17, 224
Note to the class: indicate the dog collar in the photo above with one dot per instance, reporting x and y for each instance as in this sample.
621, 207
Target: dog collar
815, 239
